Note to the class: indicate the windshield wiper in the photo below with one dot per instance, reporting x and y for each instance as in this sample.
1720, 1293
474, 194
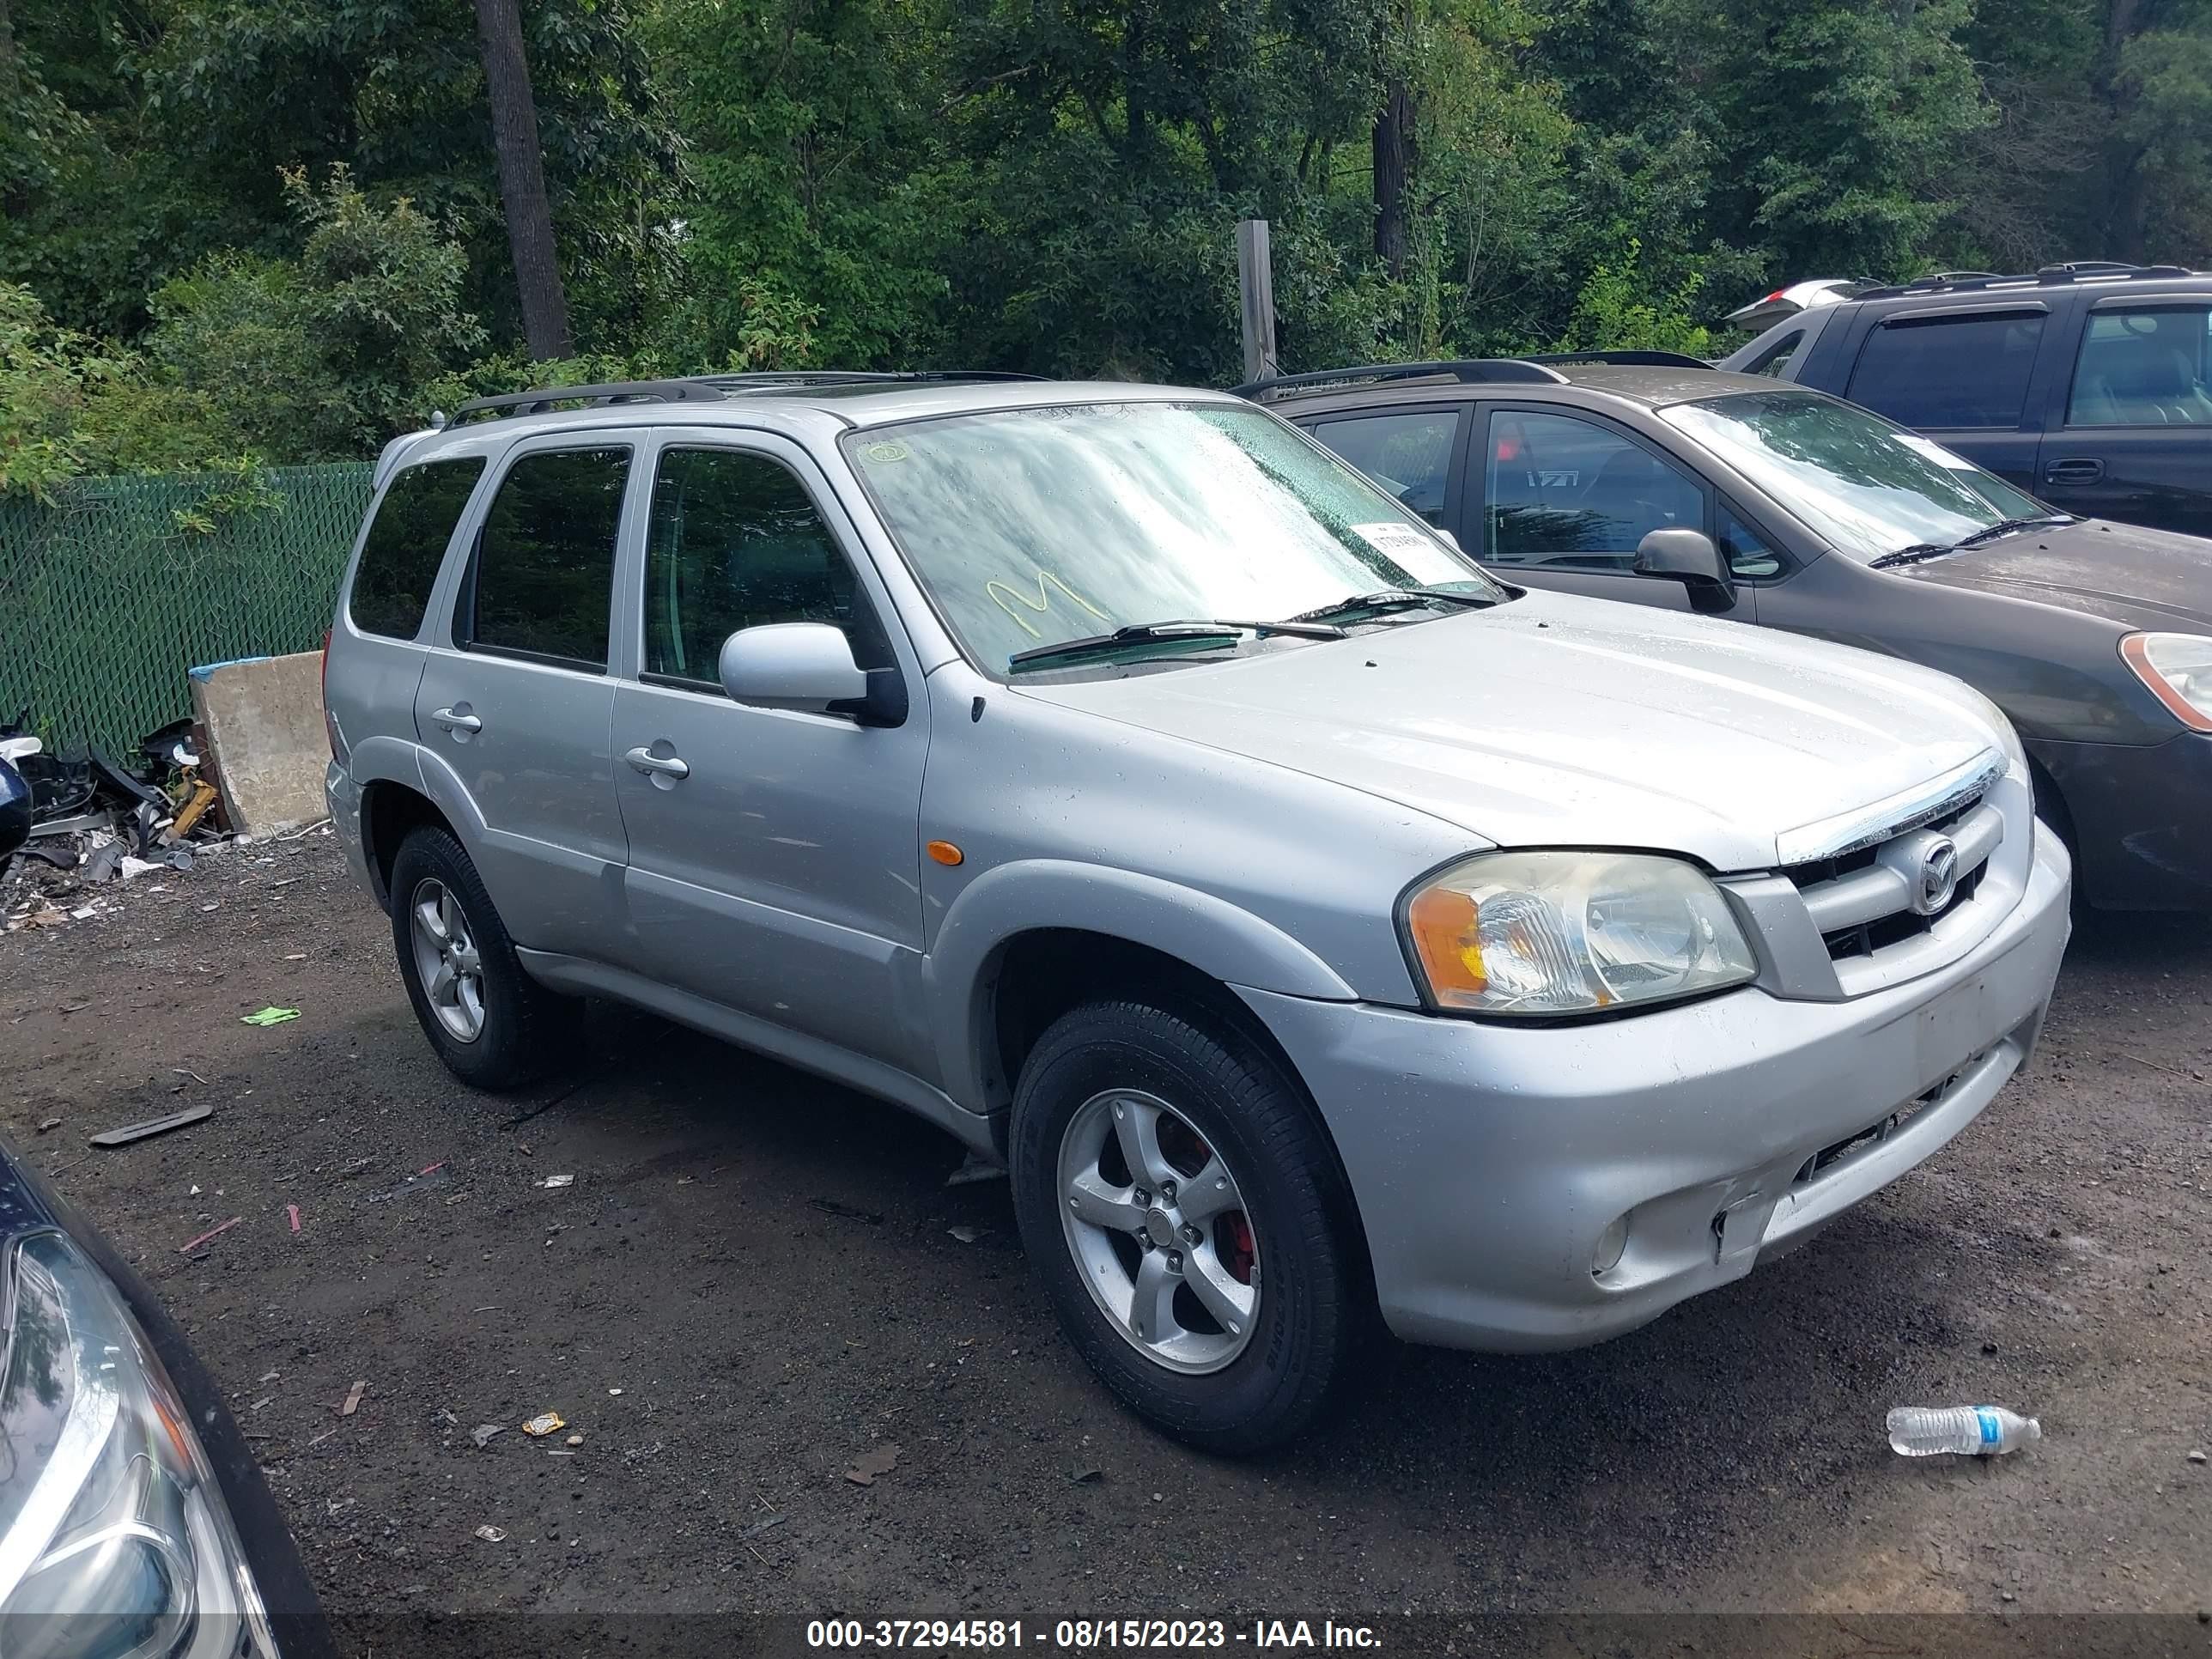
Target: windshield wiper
1921, 551
2010, 527
1170, 633
1384, 600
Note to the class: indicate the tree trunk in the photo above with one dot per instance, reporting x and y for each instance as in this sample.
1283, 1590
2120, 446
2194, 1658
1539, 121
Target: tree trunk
522, 180
1394, 167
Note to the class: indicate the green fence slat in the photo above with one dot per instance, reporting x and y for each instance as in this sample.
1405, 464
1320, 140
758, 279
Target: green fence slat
105, 600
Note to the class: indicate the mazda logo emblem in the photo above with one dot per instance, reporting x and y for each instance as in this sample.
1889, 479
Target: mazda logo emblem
1939, 875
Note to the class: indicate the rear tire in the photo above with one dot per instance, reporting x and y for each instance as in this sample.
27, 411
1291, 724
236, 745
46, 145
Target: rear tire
493, 1025
1164, 1294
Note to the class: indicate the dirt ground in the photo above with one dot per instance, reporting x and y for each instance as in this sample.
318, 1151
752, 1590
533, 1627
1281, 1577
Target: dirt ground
751, 1282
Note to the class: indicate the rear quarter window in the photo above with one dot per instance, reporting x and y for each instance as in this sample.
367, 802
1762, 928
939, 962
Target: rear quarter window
407, 543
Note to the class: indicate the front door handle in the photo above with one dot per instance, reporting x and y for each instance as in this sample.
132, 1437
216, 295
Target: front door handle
666, 765
2074, 469
453, 722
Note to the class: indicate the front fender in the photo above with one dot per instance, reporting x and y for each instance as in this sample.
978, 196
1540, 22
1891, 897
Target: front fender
1215, 937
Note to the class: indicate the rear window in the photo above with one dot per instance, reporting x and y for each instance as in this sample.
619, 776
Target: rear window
406, 544
543, 579
1945, 375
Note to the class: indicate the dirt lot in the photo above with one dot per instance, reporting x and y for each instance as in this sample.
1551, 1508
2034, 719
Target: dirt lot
751, 1283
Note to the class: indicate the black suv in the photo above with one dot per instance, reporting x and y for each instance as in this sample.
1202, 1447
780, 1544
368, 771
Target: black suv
1661, 480
2088, 385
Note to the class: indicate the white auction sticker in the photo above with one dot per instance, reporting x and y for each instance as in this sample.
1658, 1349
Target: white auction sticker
1419, 554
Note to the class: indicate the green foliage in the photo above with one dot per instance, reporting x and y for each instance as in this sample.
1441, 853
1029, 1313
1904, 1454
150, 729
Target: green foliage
264, 229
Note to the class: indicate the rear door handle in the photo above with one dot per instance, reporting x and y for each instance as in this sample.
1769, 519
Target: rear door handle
2074, 469
453, 722
667, 765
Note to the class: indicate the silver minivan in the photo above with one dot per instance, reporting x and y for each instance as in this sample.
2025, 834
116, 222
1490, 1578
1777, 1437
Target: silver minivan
1320, 931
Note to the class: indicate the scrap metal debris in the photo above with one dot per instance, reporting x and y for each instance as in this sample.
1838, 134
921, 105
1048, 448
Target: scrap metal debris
544, 1423
483, 1433
492, 1534
190, 1245
151, 1126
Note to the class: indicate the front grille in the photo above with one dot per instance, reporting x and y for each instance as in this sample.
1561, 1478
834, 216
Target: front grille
1862, 901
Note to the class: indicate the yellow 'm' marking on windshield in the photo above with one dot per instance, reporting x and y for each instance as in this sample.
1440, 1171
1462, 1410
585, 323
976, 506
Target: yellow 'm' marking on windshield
1001, 592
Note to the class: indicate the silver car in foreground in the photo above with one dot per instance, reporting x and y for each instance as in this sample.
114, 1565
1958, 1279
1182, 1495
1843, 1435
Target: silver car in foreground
1317, 929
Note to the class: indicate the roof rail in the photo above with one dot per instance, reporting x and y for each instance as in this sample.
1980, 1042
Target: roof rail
1473, 371
1952, 282
616, 391
774, 376
1623, 359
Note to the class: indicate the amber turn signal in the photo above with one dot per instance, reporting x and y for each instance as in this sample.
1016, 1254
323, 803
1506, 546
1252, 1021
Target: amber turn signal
944, 852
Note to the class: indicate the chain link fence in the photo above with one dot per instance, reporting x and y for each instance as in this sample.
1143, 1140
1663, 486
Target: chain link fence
110, 592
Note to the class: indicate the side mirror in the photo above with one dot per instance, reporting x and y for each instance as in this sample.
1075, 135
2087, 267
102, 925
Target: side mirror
1689, 557
809, 666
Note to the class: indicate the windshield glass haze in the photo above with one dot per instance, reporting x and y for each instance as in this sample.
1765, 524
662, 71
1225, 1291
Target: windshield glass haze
1869, 487
1031, 527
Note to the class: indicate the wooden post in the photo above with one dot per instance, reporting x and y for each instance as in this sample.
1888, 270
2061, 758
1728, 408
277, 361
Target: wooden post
1256, 289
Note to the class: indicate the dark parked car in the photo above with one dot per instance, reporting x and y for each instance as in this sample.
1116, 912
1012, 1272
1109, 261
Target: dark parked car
2087, 385
1662, 480
133, 1518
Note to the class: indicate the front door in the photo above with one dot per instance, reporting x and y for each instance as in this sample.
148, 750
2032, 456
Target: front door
2136, 442
1566, 500
513, 708
774, 856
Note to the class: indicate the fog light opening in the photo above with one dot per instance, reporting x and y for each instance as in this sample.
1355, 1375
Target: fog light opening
1611, 1245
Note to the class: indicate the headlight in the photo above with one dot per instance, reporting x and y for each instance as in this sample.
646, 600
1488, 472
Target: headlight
2177, 669
1547, 934
114, 1539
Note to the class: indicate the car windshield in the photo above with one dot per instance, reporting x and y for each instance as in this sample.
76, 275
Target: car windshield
1870, 487
1032, 527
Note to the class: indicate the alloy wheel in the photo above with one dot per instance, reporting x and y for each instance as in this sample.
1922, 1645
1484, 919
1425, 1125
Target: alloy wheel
447, 960
1159, 1231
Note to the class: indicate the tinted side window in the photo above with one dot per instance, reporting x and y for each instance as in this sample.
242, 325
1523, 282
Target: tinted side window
1971, 371
1409, 455
406, 544
1776, 359
736, 542
2143, 369
544, 570
1562, 491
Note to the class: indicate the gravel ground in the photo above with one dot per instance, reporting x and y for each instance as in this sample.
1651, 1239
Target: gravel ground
751, 1283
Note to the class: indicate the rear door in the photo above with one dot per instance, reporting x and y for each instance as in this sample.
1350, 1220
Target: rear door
1967, 376
1561, 499
516, 700
2134, 441
776, 855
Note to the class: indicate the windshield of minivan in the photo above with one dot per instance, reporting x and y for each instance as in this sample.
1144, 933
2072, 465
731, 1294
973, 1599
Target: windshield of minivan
1031, 527
1868, 487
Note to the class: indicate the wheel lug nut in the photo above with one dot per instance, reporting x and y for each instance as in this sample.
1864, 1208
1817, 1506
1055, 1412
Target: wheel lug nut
1167, 1192
1190, 1236
1174, 1261
1142, 1197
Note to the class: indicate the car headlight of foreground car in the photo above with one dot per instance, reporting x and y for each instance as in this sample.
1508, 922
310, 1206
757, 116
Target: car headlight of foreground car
1549, 933
115, 1542
2178, 669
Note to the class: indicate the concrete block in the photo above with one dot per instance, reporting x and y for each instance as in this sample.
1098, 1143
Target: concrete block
263, 721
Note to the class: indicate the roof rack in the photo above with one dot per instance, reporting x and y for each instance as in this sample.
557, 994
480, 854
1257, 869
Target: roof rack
616, 391
1954, 281
1623, 359
1472, 371
774, 376
710, 388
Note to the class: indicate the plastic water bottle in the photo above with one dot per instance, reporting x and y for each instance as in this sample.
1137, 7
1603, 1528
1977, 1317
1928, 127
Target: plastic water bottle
1976, 1431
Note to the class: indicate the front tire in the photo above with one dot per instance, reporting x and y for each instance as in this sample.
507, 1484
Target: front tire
1178, 1196
491, 1023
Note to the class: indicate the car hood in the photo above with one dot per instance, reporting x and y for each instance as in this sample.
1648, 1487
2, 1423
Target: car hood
1556, 720
2125, 573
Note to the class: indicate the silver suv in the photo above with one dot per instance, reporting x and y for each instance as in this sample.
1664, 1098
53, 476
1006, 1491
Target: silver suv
1318, 929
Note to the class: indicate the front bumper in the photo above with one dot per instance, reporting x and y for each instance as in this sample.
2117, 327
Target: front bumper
1489, 1160
2140, 814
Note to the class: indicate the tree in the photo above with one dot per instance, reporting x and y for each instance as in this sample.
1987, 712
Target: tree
522, 180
